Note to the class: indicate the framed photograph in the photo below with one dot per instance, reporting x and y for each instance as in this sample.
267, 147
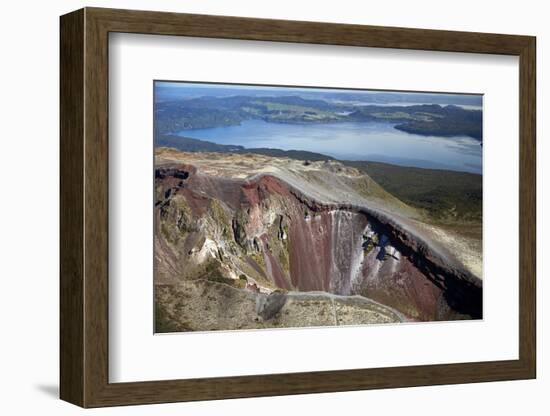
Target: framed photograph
256, 207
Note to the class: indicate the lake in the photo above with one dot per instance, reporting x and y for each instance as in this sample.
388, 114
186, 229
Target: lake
375, 141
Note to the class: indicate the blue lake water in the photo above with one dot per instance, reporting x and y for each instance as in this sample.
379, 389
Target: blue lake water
375, 141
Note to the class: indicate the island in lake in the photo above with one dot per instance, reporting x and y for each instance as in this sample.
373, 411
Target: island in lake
301, 207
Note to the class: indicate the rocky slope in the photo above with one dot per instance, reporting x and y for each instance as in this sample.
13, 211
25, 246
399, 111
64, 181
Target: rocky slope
258, 229
203, 305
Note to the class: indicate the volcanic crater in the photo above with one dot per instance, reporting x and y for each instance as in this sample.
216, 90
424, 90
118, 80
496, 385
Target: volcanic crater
250, 241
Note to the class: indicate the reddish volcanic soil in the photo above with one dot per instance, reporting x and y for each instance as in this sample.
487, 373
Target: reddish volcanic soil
273, 234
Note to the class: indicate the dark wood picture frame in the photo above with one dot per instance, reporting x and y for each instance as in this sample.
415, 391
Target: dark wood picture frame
84, 207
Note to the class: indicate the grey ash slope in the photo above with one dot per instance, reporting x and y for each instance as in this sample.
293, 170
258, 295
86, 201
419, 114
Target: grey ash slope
263, 224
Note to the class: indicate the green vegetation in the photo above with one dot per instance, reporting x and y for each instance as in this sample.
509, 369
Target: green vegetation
258, 259
226, 280
368, 248
446, 196
188, 144
285, 112
212, 272
172, 117
176, 219
428, 120
168, 233
219, 214
163, 323
291, 154
177, 116
284, 261
399, 115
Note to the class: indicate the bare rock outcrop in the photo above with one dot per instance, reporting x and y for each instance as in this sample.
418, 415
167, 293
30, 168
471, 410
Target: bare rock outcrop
272, 235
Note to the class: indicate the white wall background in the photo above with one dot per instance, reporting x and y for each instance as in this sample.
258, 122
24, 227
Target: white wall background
29, 209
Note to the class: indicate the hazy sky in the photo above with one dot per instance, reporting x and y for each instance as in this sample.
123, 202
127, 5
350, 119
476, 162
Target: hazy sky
195, 89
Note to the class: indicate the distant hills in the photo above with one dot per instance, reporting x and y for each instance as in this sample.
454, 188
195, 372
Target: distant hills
184, 91
428, 120
208, 111
188, 144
